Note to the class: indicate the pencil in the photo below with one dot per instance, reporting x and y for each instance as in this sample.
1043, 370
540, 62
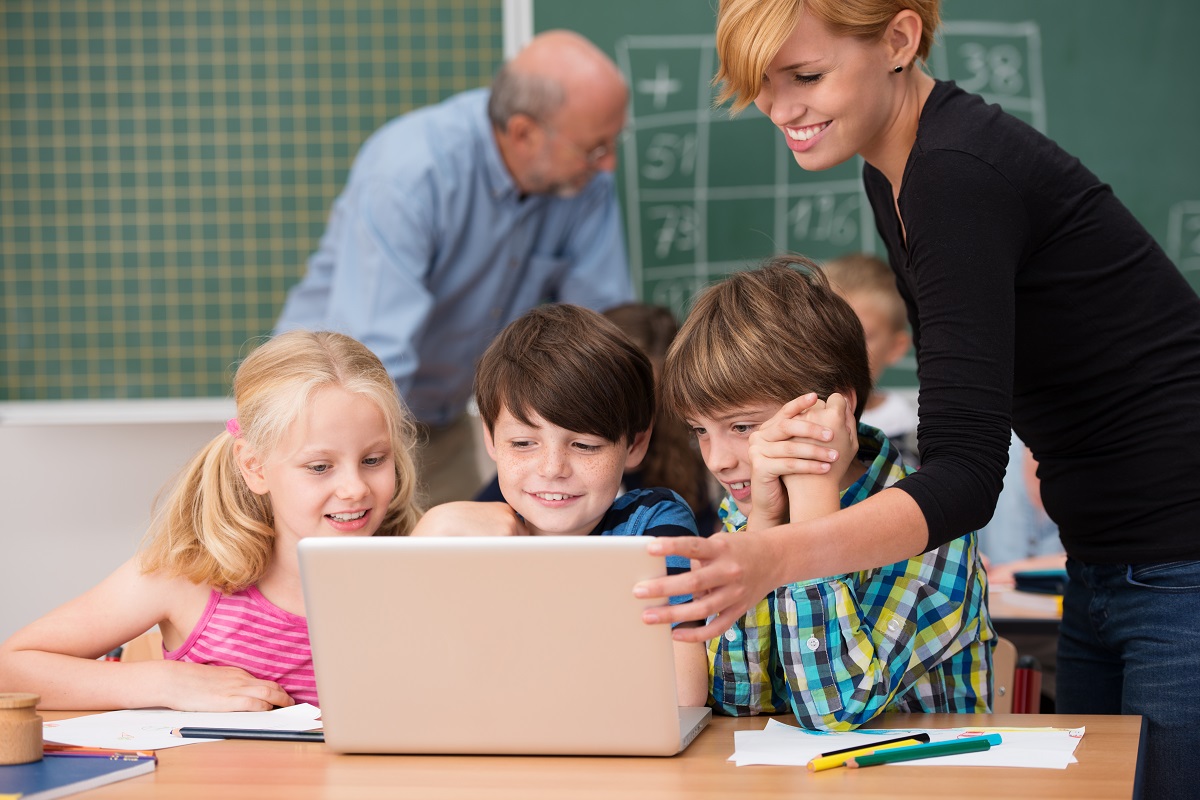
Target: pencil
973, 744
840, 757
56, 749
235, 733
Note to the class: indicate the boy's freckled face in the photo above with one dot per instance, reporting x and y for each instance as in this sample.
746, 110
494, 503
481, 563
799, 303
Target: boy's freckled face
724, 441
559, 481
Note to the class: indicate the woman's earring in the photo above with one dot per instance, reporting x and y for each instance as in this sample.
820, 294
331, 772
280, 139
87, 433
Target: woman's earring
898, 68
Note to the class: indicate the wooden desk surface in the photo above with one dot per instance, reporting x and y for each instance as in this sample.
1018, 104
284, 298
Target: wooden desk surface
265, 770
1016, 612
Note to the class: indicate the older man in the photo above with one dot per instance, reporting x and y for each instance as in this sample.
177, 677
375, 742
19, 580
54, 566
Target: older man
459, 217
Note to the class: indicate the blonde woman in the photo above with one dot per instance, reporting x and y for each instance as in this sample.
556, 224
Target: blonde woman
1037, 303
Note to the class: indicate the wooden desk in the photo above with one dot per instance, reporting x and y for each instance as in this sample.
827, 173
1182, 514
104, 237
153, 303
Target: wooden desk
263, 770
1023, 613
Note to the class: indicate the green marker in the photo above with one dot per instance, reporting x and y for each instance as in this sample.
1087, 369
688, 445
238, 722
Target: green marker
973, 744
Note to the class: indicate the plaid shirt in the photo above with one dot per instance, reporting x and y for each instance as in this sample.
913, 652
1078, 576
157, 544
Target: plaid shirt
912, 636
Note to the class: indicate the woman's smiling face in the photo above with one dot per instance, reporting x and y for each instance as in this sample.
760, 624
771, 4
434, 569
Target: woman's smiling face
833, 97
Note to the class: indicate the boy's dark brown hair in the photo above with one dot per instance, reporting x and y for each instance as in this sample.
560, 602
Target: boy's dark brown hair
766, 335
572, 367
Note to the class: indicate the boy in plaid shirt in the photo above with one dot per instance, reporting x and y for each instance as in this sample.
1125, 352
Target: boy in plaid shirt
770, 371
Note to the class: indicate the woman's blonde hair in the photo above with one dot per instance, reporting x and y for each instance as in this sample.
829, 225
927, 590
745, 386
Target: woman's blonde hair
750, 33
210, 528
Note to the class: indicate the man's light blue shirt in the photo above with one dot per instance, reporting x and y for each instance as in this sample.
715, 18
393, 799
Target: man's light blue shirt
431, 250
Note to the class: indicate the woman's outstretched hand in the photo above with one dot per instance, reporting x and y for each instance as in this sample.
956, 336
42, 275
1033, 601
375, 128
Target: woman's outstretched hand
729, 575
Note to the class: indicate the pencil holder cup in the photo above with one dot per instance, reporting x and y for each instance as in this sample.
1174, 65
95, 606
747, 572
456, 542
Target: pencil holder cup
20, 729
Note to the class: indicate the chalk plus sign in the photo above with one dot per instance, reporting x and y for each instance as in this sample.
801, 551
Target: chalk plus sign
661, 87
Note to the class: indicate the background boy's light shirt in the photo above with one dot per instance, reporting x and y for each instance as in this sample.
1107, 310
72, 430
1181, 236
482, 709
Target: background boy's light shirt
911, 636
430, 251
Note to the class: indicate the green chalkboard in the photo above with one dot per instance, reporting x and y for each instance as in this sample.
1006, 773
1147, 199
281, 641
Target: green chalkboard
705, 194
166, 167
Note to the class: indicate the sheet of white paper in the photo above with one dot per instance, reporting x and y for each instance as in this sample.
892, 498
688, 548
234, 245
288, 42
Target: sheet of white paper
782, 744
786, 745
150, 729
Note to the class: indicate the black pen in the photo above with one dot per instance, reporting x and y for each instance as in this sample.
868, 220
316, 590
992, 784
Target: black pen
235, 733
920, 737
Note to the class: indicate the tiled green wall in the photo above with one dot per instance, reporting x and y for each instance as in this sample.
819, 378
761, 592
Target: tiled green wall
166, 167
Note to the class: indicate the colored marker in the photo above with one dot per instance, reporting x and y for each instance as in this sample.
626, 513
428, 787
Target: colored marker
973, 744
235, 733
839, 758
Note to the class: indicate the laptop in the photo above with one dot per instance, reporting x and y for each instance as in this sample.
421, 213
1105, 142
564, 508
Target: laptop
491, 645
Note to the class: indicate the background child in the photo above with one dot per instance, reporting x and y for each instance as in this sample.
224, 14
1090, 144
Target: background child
567, 403
320, 447
867, 283
671, 461
911, 636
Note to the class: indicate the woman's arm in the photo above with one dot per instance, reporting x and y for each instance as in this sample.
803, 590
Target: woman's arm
967, 234
731, 572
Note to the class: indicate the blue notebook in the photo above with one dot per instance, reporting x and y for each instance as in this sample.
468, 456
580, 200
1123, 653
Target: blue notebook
1041, 581
61, 775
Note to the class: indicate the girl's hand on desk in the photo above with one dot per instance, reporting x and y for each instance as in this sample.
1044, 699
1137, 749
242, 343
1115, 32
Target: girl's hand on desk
467, 518
203, 687
729, 574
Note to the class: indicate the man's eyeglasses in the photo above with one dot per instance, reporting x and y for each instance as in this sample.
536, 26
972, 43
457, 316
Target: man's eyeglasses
596, 154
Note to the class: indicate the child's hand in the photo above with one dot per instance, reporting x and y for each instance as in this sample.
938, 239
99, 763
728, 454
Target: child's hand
466, 518
204, 687
808, 445
815, 494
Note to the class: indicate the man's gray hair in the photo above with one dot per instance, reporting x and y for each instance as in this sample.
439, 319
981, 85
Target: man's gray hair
516, 92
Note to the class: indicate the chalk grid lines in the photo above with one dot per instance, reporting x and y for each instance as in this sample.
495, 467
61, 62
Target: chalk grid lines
167, 167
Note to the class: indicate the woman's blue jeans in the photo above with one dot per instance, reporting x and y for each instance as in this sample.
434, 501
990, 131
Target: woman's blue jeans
1130, 644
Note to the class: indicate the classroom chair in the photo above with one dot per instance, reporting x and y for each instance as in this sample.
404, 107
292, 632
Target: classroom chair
1017, 681
1004, 668
146, 647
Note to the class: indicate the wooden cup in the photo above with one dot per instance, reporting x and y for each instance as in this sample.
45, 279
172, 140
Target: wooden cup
20, 728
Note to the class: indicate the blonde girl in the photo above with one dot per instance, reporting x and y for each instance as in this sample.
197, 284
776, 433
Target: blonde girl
320, 447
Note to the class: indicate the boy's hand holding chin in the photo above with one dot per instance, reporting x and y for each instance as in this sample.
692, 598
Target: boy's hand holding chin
798, 459
801, 454
467, 518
